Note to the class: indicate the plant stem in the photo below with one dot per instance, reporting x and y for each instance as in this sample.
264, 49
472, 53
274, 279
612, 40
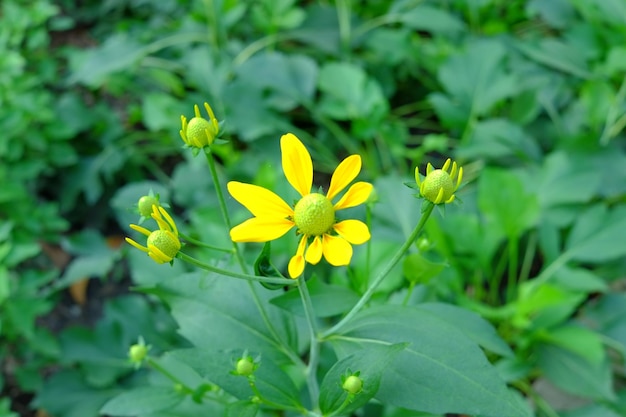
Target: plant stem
255, 295
382, 274
343, 18
311, 371
197, 242
226, 272
152, 363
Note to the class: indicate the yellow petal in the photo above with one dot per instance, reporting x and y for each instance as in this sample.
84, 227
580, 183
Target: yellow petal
137, 245
357, 194
260, 201
260, 229
346, 171
354, 231
337, 250
140, 229
314, 252
297, 164
296, 263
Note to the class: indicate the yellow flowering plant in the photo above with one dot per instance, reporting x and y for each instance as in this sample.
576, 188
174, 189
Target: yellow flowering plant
390, 351
313, 216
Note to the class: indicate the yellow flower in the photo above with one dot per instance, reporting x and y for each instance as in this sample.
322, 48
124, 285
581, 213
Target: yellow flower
162, 244
439, 185
313, 215
199, 132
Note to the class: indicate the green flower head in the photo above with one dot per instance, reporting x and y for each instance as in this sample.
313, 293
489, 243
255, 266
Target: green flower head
439, 185
199, 132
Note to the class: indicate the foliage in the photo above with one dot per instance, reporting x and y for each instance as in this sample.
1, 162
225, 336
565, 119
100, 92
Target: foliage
517, 287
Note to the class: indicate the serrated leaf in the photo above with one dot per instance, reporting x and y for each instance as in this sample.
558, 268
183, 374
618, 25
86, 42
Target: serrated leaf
217, 366
328, 300
474, 81
370, 363
441, 371
473, 325
348, 92
216, 313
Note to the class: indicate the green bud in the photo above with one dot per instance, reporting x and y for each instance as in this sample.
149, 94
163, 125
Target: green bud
353, 384
137, 353
245, 366
145, 204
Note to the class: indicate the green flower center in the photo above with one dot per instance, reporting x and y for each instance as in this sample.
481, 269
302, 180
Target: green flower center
435, 181
196, 132
314, 215
165, 241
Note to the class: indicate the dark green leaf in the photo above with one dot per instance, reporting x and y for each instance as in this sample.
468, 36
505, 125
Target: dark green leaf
328, 300
575, 375
217, 366
370, 363
142, 400
441, 370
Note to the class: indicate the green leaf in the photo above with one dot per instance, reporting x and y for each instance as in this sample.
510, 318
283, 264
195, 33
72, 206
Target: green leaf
472, 325
608, 314
431, 19
86, 267
557, 54
575, 375
293, 76
579, 279
499, 138
598, 235
217, 313
217, 366
66, 394
543, 306
117, 53
505, 203
142, 400
348, 92
474, 81
328, 300
579, 340
419, 269
242, 409
370, 362
568, 178
441, 371
159, 112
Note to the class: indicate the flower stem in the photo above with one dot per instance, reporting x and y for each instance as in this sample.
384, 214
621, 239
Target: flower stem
311, 371
197, 242
382, 274
242, 264
155, 365
247, 277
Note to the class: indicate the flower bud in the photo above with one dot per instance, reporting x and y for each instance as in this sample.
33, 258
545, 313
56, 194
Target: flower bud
145, 203
439, 185
199, 132
352, 384
245, 366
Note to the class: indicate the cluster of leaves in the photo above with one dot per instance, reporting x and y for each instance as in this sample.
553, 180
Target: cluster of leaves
529, 95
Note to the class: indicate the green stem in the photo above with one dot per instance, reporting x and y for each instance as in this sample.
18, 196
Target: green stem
255, 295
527, 261
232, 274
511, 285
153, 364
197, 242
343, 18
382, 274
314, 351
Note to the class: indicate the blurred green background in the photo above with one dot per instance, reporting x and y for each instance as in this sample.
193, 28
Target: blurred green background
529, 96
